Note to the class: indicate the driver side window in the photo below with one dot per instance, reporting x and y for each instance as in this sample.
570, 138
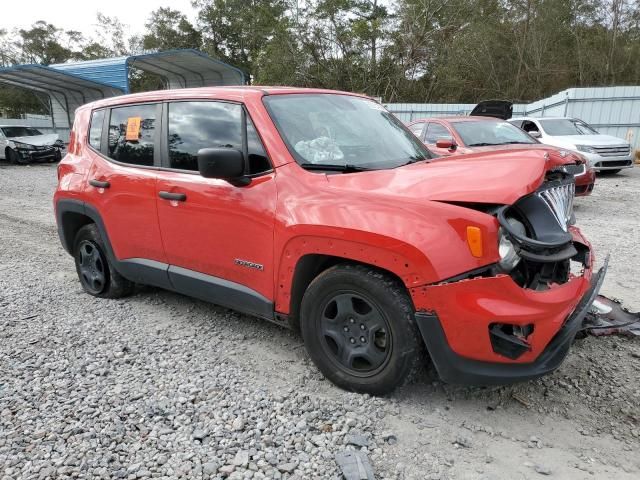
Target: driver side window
196, 125
436, 131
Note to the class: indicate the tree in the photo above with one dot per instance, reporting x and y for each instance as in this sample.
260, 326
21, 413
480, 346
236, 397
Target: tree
239, 30
169, 29
42, 43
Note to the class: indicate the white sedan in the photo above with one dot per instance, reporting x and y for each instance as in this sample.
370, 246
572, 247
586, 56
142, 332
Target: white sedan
22, 144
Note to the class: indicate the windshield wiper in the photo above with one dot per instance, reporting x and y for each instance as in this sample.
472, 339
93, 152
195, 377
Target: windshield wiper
414, 160
335, 167
482, 144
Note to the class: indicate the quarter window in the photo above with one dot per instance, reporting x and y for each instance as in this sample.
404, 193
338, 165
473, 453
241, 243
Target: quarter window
416, 128
95, 132
436, 131
258, 161
132, 133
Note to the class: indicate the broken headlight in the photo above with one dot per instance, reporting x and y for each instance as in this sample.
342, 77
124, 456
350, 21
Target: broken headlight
509, 257
23, 146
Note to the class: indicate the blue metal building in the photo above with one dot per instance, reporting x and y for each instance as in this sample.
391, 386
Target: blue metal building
69, 85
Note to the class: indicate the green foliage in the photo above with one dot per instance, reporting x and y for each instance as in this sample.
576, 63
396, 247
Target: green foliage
169, 29
15, 101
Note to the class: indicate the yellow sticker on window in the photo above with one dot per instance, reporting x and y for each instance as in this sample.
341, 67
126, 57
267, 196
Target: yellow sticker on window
133, 129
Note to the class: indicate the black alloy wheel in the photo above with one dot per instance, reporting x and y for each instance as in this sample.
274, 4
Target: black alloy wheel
97, 275
355, 334
358, 325
92, 267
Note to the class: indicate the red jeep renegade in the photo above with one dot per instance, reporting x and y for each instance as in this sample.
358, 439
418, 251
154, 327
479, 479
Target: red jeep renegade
320, 210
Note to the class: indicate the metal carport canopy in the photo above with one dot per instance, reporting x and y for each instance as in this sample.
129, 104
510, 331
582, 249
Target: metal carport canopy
66, 91
180, 68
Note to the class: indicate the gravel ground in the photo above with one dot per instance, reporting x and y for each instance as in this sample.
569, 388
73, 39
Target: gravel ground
160, 385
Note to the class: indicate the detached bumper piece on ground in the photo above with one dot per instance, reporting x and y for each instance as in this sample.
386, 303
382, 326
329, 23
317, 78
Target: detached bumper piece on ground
609, 317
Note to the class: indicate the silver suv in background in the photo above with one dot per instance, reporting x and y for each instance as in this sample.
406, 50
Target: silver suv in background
604, 152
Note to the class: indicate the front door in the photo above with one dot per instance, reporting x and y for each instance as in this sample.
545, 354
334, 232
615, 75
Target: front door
216, 234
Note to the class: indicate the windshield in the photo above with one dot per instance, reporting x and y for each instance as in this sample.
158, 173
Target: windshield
484, 133
332, 129
11, 132
566, 126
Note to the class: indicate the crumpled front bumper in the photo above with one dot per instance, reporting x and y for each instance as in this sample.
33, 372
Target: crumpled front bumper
42, 153
601, 163
454, 321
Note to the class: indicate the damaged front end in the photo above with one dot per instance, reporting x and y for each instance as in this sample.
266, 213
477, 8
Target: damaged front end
537, 248
515, 319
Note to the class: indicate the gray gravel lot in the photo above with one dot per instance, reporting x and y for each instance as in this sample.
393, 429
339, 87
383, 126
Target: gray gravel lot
159, 385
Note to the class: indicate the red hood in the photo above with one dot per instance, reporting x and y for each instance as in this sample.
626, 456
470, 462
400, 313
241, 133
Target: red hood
498, 177
553, 151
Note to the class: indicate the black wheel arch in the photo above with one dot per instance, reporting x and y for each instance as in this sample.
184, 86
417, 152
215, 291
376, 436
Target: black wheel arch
308, 268
71, 216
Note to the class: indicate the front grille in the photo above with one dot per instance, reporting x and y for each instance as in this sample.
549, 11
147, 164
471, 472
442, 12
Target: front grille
613, 151
559, 199
575, 169
43, 154
614, 163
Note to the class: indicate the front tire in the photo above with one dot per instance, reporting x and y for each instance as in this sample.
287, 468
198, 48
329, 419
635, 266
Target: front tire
97, 275
14, 157
359, 329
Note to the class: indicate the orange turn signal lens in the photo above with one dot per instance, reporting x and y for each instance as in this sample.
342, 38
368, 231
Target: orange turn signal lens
474, 239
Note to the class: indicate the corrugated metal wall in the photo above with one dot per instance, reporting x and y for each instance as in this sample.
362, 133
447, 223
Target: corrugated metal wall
611, 110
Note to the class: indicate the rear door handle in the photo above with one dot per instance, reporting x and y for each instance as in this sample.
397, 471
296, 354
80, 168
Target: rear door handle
98, 183
178, 197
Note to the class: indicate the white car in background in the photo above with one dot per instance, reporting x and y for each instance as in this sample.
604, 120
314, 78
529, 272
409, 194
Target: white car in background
23, 144
604, 152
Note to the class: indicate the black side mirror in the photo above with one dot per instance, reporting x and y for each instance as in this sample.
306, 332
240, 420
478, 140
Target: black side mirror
222, 163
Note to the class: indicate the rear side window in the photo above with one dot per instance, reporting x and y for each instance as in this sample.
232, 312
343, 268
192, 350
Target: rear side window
95, 130
436, 131
132, 133
196, 125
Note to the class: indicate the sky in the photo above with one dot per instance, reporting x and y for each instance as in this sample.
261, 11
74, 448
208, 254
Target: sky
81, 15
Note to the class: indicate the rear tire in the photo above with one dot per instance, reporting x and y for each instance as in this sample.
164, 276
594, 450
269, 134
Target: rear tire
97, 275
359, 329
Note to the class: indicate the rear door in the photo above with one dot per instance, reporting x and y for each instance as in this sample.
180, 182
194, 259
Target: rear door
217, 229
121, 186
